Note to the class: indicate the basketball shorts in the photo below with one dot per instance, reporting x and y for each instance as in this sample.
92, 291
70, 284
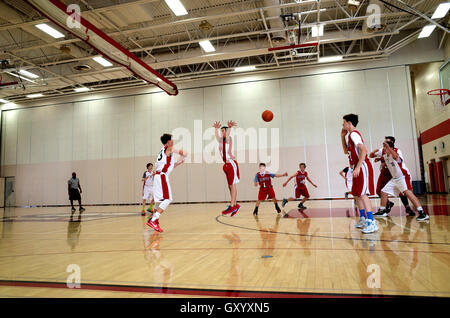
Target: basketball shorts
162, 192
383, 179
349, 179
301, 191
398, 186
74, 194
147, 193
231, 170
266, 193
364, 183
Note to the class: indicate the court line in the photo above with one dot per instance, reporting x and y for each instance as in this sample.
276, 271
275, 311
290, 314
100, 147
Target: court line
322, 236
196, 291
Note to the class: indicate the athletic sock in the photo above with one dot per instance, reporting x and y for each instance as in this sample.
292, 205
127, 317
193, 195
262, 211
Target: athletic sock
419, 209
256, 209
404, 201
362, 214
276, 206
369, 215
155, 216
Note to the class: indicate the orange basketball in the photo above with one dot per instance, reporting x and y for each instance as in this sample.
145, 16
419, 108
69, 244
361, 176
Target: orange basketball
267, 115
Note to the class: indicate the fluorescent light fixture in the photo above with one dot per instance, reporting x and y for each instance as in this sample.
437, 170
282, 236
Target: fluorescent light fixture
426, 31
9, 106
81, 89
317, 30
28, 74
35, 95
100, 60
244, 68
4, 101
22, 77
207, 46
49, 30
177, 7
441, 10
330, 59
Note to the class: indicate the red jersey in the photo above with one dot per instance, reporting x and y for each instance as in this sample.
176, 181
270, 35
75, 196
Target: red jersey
264, 179
352, 148
301, 178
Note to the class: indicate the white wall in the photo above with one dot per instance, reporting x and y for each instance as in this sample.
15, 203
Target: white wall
108, 141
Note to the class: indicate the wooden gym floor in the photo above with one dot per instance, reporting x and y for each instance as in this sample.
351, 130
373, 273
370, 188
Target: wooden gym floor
317, 252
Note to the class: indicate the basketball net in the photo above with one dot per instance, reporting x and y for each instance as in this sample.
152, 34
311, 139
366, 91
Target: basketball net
441, 97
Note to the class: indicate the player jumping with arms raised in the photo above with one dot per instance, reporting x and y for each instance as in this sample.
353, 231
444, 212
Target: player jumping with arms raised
230, 166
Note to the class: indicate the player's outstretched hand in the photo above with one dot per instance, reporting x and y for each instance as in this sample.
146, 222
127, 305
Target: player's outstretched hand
284, 184
231, 123
217, 125
285, 174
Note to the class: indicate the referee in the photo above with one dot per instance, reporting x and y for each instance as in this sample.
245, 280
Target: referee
74, 194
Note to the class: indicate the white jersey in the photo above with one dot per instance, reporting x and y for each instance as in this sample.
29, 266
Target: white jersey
149, 181
225, 150
397, 168
164, 164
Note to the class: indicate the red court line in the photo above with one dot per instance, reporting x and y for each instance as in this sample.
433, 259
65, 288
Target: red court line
189, 291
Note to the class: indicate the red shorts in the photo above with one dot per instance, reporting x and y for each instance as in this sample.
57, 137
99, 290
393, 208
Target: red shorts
266, 193
364, 184
384, 178
231, 170
301, 190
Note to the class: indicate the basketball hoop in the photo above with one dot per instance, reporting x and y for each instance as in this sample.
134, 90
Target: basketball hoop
441, 97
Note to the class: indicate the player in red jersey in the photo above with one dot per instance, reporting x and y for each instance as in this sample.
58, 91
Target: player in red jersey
362, 176
230, 166
384, 178
265, 187
300, 187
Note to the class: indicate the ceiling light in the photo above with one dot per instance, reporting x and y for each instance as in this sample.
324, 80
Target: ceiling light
104, 62
177, 7
35, 95
9, 106
4, 101
22, 77
28, 74
317, 30
441, 10
207, 46
81, 89
426, 31
330, 58
49, 30
244, 68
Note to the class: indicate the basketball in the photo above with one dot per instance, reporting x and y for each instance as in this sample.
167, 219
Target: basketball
267, 115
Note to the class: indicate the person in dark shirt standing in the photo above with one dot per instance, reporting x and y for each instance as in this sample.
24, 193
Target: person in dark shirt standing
74, 189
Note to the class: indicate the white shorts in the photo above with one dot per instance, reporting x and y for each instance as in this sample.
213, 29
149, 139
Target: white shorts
161, 190
396, 186
147, 193
349, 179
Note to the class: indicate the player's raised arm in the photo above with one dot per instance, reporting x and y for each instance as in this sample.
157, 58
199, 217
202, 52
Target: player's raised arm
216, 132
179, 162
280, 175
388, 148
344, 143
374, 154
230, 124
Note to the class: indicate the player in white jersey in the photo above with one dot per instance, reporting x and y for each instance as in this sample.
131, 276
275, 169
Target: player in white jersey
401, 179
147, 188
161, 186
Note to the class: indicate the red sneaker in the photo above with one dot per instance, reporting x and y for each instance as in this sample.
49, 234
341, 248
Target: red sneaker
235, 210
154, 225
228, 210
143, 213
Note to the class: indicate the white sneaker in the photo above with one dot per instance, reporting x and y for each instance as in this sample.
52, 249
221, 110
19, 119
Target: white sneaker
371, 227
361, 224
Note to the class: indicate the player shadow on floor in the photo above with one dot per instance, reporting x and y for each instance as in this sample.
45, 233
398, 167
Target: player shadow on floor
73, 232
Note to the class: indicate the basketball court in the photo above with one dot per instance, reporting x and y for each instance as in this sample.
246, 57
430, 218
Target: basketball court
93, 92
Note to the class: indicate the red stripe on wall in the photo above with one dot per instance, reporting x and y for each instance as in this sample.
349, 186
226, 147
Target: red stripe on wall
436, 132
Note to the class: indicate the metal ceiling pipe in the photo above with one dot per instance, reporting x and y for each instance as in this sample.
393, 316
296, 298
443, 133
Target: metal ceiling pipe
277, 37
